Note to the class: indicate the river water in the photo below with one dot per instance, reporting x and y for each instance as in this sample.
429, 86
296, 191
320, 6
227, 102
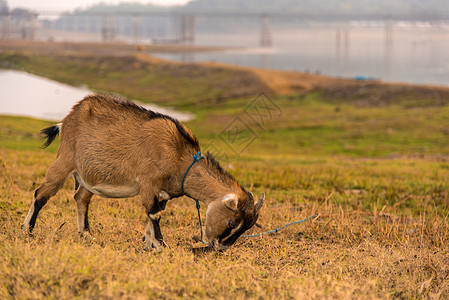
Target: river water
24, 94
408, 52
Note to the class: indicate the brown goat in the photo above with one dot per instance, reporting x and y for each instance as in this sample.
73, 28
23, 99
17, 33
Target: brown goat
116, 149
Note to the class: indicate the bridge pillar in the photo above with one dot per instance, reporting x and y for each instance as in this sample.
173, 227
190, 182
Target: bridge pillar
342, 45
108, 27
6, 26
136, 28
388, 43
32, 30
338, 43
346, 45
187, 30
265, 32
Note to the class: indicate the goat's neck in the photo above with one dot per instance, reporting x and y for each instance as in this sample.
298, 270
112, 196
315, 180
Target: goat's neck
205, 187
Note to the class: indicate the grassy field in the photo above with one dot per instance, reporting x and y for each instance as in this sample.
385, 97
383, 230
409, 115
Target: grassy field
375, 169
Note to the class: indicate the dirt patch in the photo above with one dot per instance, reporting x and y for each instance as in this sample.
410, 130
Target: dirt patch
376, 93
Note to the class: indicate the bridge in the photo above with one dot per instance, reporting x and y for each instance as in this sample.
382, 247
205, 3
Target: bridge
181, 27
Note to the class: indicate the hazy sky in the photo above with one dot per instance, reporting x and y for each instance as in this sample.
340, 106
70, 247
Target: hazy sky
72, 4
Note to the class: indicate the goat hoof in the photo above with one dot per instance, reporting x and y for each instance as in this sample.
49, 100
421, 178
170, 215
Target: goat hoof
86, 236
27, 230
154, 246
153, 249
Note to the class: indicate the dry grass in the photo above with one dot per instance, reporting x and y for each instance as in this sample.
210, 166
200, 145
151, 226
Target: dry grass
361, 247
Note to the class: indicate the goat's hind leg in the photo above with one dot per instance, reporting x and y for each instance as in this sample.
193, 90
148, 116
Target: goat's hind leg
82, 198
55, 177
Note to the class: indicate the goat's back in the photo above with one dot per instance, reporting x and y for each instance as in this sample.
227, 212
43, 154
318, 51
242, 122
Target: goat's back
108, 135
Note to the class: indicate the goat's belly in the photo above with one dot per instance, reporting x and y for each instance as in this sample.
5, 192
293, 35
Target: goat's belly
110, 191
115, 191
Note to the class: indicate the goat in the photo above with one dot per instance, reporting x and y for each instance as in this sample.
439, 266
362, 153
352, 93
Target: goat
117, 149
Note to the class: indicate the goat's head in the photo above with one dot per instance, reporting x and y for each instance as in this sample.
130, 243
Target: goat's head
229, 217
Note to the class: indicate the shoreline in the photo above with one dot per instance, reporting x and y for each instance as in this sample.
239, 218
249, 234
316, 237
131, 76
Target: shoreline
121, 48
123, 68
103, 48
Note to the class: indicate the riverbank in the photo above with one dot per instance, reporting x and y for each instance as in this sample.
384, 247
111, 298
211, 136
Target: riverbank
135, 73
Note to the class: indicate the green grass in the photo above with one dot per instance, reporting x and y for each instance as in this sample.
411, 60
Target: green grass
310, 125
15, 133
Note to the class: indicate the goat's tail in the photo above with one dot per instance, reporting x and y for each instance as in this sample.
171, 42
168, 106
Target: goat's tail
50, 134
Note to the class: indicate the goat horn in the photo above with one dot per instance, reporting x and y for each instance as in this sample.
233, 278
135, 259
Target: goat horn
259, 203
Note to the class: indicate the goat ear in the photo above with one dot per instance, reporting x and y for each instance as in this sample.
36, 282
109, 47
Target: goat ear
231, 201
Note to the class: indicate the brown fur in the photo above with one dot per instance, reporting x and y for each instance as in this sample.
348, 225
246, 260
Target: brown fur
115, 148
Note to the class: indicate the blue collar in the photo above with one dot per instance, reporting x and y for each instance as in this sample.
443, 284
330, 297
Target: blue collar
196, 158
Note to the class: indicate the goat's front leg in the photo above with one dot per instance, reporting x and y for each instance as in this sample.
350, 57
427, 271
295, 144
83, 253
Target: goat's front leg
153, 236
163, 197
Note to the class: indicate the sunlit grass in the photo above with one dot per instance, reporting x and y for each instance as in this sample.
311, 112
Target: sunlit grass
310, 125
